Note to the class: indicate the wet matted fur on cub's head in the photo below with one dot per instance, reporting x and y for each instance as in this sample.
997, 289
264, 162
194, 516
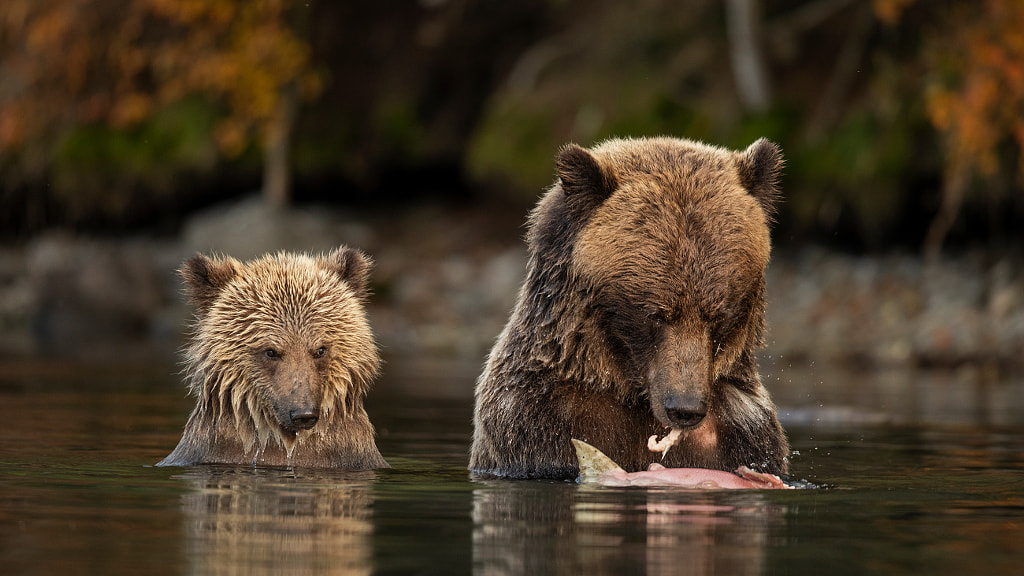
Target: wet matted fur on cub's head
280, 359
641, 312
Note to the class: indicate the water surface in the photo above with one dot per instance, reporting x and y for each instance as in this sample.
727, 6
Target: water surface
926, 475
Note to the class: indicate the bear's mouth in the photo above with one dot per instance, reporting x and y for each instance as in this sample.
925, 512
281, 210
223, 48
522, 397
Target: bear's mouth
294, 430
293, 426
703, 436
293, 433
290, 439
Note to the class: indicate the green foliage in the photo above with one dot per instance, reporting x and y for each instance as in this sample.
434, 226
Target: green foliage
619, 70
176, 136
97, 167
779, 124
859, 167
514, 148
398, 127
518, 144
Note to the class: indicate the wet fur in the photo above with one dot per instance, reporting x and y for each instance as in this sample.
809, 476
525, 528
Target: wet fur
645, 277
295, 304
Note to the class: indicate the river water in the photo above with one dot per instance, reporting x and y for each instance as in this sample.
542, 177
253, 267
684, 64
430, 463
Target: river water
924, 474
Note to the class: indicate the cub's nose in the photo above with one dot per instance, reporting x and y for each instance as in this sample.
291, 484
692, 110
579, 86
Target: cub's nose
303, 419
685, 411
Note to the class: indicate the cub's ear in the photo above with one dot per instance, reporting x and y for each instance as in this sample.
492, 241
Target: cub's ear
759, 167
205, 278
352, 266
585, 182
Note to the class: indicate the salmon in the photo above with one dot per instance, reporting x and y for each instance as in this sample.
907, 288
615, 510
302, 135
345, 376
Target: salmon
597, 468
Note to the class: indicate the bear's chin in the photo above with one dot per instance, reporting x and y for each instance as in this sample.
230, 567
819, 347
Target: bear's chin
703, 435
290, 439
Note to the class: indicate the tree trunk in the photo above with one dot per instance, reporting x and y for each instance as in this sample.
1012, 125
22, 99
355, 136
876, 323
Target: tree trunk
844, 74
954, 186
743, 22
277, 189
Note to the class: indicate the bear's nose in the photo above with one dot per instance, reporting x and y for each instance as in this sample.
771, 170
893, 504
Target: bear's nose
686, 411
303, 419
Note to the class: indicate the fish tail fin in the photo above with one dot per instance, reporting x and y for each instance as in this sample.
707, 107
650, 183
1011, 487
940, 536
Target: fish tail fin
594, 464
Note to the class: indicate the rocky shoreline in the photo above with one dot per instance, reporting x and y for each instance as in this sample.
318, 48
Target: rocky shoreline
446, 279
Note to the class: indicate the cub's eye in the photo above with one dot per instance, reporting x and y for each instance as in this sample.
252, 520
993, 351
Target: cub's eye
271, 353
320, 352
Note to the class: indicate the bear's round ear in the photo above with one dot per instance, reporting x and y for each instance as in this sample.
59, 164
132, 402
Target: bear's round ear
585, 182
759, 167
352, 266
205, 278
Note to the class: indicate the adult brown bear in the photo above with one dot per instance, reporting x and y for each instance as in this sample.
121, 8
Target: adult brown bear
280, 359
641, 311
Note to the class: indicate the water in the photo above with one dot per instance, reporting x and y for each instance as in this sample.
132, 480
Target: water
926, 475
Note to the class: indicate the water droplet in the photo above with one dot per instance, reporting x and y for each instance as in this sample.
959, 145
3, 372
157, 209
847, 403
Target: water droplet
291, 448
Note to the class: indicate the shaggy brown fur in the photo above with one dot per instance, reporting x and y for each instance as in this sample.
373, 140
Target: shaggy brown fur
641, 311
280, 359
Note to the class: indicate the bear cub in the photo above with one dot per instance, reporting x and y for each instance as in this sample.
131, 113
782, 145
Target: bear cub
641, 312
280, 358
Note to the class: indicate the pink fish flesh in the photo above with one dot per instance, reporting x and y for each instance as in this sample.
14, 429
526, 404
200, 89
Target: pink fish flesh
597, 468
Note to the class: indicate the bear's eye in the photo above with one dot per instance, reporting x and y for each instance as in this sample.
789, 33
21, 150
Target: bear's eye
271, 353
655, 323
320, 352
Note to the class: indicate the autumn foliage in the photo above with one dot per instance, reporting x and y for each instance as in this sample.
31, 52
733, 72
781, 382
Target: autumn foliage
974, 97
70, 62
976, 88
902, 120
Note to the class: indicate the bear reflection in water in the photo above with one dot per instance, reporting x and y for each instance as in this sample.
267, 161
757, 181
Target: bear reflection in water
544, 528
275, 521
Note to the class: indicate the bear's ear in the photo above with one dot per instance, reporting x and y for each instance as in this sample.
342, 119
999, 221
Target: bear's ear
759, 166
205, 278
352, 266
585, 182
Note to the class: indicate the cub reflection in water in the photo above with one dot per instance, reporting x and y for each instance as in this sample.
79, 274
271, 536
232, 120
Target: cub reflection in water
269, 521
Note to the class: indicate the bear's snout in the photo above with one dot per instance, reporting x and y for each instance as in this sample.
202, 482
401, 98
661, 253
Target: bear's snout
680, 377
685, 410
297, 394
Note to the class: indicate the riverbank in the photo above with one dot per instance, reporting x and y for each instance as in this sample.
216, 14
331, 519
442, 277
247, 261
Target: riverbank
445, 280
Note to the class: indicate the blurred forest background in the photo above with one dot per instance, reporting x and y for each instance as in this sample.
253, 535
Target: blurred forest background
902, 122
